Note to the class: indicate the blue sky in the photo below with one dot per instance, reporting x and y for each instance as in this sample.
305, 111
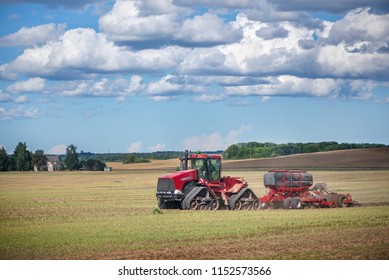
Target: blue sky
131, 76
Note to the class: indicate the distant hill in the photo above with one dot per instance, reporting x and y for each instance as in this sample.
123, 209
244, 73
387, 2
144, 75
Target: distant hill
372, 158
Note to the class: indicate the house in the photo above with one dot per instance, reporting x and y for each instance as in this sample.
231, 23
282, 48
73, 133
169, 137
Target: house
53, 163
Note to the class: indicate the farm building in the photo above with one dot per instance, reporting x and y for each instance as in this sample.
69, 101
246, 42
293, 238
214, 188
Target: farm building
53, 163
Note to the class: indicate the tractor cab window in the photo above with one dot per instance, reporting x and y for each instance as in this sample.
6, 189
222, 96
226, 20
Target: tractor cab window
201, 166
214, 168
208, 169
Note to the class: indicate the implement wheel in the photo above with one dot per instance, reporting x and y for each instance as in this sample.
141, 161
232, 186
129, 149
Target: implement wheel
295, 203
339, 201
287, 203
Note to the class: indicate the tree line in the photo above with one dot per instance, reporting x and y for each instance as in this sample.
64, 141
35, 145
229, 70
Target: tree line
131, 157
268, 149
24, 160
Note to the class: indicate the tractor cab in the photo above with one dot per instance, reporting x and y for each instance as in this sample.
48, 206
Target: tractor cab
207, 166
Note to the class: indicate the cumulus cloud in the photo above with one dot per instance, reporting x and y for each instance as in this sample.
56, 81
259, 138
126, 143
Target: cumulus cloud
21, 99
293, 53
214, 141
119, 87
19, 112
125, 22
30, 85
157, 147
271, 32
81, 52
4, 97
141, 21
291, 5
266, 50
360, 30
58, 150
30, 36
295, 86
207, 29
135, 147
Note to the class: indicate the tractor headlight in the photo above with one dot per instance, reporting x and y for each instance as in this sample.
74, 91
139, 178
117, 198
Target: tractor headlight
176, 192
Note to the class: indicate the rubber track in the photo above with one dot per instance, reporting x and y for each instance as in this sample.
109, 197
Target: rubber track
192, 194
235, 197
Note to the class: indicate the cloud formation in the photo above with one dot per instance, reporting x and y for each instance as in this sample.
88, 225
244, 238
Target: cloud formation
165, 50
214, 141
32, 36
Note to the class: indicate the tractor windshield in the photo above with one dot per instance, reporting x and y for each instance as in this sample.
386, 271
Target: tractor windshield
208, 168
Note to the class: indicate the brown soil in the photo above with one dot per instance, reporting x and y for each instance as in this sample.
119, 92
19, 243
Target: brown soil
374, 158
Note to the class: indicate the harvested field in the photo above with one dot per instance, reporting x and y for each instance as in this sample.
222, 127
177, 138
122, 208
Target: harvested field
109, 215
375, 158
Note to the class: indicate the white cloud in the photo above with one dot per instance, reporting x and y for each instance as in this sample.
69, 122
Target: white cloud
206, 98
157, 147
35, 35
164, 85
19, 112
58, 149
141, 21
214, 141
4, 96
295, 86
170, 86
158, 98
234, 134
80, 52
119, 87
266, 99
30, 85
135, 147
209, 56
125, 22
208, 28
204, 142
21, 99
284, 50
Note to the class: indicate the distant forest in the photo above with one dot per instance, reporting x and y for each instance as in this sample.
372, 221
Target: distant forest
266, 150
136, 157
235, 151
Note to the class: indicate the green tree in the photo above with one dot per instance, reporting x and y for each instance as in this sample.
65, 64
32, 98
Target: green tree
21, 158
39, 159
71, 160
129, 159
4, 160
93, 164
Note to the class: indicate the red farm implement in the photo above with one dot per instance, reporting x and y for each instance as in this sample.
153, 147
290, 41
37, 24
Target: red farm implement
293, 189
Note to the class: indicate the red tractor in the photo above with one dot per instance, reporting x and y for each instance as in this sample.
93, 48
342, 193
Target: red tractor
201, 187
292, 189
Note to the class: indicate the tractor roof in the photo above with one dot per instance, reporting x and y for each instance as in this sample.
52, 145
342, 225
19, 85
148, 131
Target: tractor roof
192, 156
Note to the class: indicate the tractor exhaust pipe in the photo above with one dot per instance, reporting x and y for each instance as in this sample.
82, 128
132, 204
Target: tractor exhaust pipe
186, 160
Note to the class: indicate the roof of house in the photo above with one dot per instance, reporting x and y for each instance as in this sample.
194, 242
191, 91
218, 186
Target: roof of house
54, 160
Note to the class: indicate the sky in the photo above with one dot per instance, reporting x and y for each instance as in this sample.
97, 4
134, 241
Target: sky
143, 76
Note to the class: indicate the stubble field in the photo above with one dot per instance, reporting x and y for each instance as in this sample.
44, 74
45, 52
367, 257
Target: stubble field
109, 215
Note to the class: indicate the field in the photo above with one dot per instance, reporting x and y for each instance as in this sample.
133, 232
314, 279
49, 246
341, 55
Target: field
110, 215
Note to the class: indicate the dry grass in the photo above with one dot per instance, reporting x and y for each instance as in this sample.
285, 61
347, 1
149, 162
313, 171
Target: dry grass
109, 215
